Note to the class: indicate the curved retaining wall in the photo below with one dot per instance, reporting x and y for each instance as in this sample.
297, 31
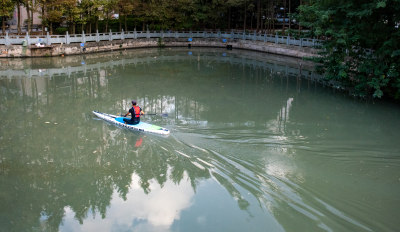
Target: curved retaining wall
8, 51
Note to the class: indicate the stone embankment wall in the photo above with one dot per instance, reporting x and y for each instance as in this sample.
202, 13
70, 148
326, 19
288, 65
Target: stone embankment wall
105, 46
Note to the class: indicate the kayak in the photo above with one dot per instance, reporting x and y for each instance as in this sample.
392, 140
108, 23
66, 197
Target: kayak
141, 126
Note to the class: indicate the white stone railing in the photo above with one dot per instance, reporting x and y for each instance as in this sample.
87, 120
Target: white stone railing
48, 39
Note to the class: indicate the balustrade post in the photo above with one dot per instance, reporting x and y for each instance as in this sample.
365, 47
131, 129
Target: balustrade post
27, 39
83, 37
67, 39
110, 35
135, 33
97, 36
122, 35
148, 33
276, 38
48, 39
288, 40
7, 39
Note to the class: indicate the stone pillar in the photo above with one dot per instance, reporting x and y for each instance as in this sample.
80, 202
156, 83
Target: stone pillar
110, 35
67, 39
27, 39
48, 39
122, 35
83, 37
97, 36
7, 39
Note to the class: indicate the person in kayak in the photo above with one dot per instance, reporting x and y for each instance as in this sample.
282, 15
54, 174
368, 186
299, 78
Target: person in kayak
135, 111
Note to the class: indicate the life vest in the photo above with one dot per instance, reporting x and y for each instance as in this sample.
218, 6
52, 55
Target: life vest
136, 109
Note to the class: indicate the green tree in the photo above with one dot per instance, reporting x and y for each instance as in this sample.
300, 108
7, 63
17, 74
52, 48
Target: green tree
124, 7
108, 7
361, 47
72, 14
28, 4
6, 9
54, 13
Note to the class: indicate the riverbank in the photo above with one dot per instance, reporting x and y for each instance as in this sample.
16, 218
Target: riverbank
11, 51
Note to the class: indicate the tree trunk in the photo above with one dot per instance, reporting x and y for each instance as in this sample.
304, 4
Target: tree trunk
18, 18
106, 21
284, 17
262, 22
32, 17
258, 14
3, 26
120, 21
28, 23
245, 13
290, 16
273, 17
126, 25
301, 2
229, 17
43, 17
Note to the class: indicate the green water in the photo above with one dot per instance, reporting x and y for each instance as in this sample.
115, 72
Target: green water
256, 144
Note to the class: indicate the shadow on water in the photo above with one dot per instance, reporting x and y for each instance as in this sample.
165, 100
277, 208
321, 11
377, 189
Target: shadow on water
240, 121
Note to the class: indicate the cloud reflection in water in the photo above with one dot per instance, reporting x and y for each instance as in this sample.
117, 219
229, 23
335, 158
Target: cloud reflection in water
155, 211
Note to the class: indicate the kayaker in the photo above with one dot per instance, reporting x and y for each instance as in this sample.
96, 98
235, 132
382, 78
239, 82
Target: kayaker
135, 111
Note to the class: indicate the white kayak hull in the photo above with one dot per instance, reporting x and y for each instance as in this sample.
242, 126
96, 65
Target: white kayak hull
142, 126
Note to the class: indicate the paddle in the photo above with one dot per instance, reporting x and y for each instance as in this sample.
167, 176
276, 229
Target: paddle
163, 115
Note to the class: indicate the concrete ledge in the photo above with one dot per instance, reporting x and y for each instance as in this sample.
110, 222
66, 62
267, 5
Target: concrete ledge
106, 46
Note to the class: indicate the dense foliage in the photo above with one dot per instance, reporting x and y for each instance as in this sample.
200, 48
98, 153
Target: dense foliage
362, 43
90, 15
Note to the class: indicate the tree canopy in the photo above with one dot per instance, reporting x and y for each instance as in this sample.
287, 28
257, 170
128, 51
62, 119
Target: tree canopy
361, 48
157, 14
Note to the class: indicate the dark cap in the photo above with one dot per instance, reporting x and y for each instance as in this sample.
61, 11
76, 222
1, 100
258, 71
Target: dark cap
134, 102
